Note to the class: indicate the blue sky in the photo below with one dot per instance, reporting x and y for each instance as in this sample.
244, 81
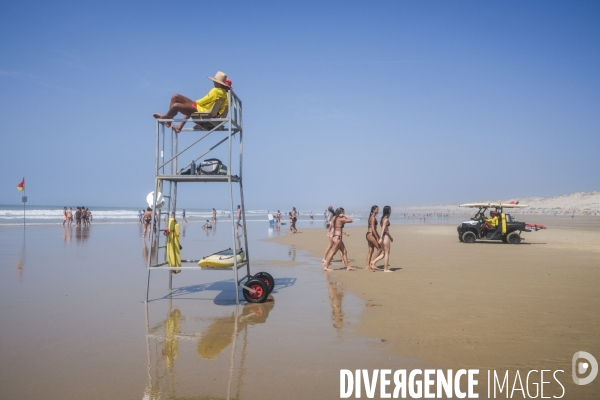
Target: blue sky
351, 103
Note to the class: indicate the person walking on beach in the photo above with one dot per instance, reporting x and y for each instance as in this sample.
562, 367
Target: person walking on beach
147, 221
183, 216
294, 216
292, 223
312, 216
338, 223
372, 237
330, 215
385, 240
140, 215
214, 215
278, 217
185, 106
64, 216
329, 244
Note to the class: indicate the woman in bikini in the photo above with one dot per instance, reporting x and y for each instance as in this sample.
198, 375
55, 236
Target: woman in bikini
338, 223
147, 221
372, 237
385, 240
70, 216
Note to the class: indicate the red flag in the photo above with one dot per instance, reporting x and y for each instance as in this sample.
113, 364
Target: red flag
21, 186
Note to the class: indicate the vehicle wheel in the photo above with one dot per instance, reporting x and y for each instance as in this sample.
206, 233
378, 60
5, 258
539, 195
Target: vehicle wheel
469, 237
267, 278
504, 239
260, 294
460, 237
513, 238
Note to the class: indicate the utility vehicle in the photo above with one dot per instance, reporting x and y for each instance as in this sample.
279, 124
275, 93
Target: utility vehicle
505, 227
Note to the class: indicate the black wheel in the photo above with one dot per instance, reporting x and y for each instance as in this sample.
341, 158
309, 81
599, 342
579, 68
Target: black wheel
258, 293
513, 238
265, 276
469, 237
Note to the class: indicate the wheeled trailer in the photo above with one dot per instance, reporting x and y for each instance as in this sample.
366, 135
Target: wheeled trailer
169, 172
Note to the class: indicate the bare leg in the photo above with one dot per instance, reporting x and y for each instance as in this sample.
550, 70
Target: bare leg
373, 263
345, 257
180, 104
329, 246
386, 259
372, 242
336, 245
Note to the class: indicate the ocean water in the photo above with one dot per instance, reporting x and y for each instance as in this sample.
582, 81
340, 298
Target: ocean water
53, 215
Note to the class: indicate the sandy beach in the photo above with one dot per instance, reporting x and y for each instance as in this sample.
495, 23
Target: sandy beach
485, 305
74, 323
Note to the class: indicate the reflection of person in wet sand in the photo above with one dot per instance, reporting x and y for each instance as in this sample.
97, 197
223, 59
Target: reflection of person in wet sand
335, 300
338, 223
385, 240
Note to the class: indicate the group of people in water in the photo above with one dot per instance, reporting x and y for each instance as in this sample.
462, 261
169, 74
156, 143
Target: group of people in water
379, 245
83, 216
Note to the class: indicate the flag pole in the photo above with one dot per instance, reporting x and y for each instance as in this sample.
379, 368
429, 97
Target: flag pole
21, 188
24, 199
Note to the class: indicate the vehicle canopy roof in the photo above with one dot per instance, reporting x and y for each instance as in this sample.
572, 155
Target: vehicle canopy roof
496, 205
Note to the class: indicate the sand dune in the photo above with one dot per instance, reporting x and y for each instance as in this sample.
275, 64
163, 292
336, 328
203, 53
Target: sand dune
579, 203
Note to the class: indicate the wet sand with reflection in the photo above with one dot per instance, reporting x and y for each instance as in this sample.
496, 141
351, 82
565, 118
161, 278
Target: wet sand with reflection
74, 325
485, 305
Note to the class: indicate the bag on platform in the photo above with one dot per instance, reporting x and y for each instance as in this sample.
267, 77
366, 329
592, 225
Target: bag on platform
210, 167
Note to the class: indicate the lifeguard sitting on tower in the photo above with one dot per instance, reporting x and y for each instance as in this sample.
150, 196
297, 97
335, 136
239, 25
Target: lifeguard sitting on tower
185, 106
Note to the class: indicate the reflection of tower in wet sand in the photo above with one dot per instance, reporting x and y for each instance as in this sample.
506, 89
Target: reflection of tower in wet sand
169, 366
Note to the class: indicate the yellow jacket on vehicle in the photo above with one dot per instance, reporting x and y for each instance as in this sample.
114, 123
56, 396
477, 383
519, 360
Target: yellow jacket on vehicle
492, 221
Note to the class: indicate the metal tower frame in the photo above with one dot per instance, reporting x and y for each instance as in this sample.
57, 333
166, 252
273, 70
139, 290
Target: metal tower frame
167, 177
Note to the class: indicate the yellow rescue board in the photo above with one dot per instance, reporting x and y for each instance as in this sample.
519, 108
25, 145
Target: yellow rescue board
222, 259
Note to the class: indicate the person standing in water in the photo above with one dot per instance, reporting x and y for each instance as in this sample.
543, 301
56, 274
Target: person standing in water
70, 216
292, 223
183, 216
372, 237
214, 215
385, 240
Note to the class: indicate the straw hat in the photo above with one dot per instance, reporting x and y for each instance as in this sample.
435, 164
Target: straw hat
220, 77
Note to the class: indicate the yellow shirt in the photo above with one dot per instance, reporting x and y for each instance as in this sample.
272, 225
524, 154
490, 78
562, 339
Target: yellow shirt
493, 221
205, 103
